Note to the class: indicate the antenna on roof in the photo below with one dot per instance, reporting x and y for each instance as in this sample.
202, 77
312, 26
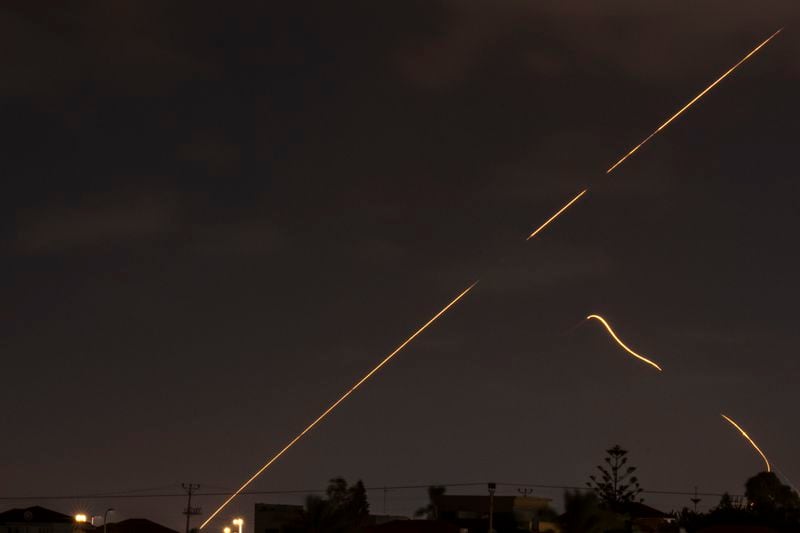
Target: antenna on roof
695, 500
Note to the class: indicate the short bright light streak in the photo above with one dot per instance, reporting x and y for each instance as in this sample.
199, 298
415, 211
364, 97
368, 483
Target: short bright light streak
751, 441
552, 218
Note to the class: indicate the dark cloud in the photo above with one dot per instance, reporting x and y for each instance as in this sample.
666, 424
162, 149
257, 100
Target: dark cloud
100, 224
624, 36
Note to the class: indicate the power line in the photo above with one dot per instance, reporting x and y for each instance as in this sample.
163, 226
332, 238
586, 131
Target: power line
137, 494
661, 492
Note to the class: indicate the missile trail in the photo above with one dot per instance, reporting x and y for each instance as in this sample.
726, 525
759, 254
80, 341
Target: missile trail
336, 403
752, 443
552, 218
454, 301
661, 127
622, 344
692, 101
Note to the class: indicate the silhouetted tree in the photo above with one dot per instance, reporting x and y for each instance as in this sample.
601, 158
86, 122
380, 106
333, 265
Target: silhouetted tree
430, 511
584, 514
343, 510
317, 516
766, 494
770, 504
689, 520
616, 485
725, 502
727, 512
356, 506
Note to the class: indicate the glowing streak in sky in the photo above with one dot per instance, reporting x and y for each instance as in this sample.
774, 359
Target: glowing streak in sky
336, 403
692, 101
552, 218
614, 336
752, 443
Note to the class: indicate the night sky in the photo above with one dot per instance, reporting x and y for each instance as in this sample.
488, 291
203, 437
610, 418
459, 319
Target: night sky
217, 217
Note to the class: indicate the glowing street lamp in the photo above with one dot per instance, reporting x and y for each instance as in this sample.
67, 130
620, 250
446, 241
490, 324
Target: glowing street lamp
81, 518
226, 530
238, 522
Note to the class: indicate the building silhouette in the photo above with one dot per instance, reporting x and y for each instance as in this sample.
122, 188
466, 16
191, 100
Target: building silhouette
39, 520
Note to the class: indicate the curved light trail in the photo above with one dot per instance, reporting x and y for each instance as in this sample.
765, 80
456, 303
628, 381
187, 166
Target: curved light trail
552, 218
751, 441
692, 101
622, 344
336, 403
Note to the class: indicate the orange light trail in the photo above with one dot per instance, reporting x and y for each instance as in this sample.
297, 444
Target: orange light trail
751, 441
336, 403
692, 101
552, 218
624, 347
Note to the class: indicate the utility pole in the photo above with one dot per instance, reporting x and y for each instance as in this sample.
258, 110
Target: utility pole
695, 500
492, 487
190, 511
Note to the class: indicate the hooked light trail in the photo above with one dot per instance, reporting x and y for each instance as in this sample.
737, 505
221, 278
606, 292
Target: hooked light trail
692, 101
752, 443
336, 403
614, 336
552, 218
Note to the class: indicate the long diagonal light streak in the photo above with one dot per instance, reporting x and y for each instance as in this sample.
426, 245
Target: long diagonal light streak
692, 101
751, 441
336, 403
661, 127
622, 344
552, 218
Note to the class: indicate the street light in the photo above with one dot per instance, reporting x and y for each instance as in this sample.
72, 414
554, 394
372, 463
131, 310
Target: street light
226, 530
105, 517
81, 518
238, 522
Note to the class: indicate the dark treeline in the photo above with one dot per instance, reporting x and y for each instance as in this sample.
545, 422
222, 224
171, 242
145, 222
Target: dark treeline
611, 503
768, 503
